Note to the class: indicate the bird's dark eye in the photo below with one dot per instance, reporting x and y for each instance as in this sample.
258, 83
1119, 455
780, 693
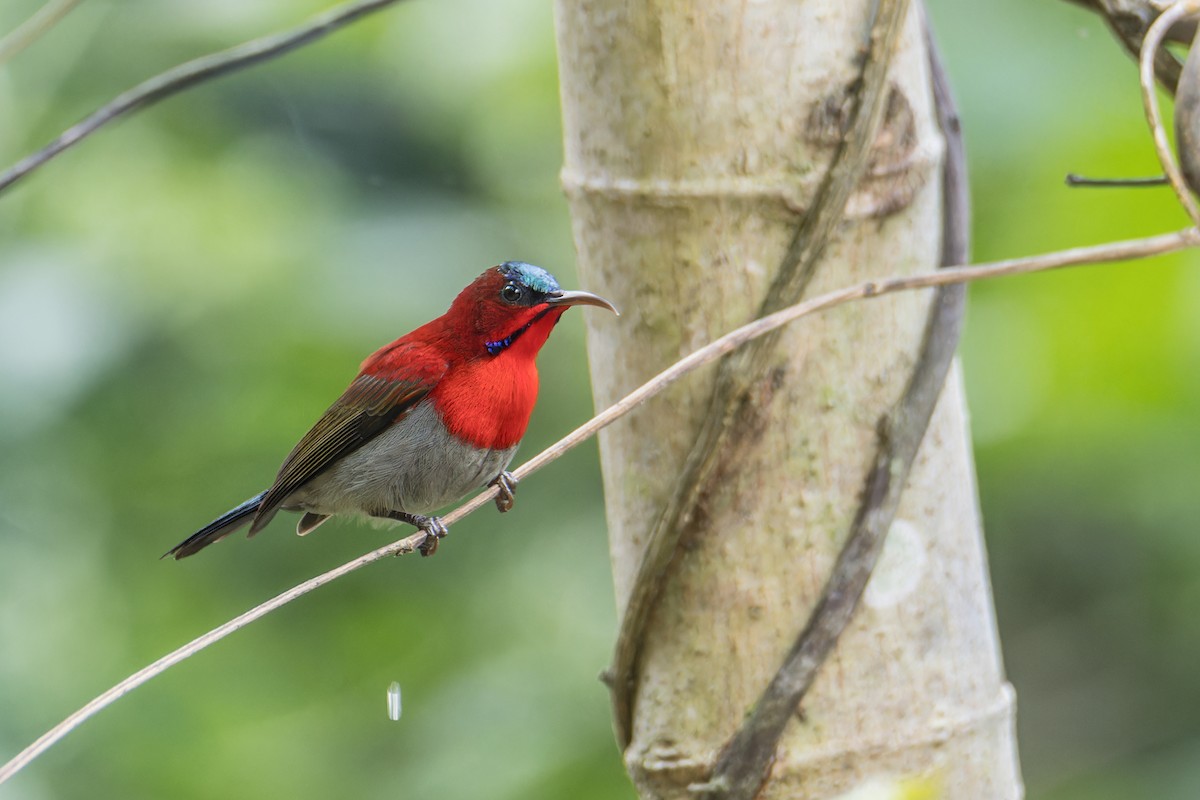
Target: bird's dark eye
511, 293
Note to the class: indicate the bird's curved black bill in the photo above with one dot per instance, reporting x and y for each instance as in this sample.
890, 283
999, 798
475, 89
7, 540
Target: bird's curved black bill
580, 299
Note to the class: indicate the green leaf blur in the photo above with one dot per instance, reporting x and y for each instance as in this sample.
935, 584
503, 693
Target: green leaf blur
184, 293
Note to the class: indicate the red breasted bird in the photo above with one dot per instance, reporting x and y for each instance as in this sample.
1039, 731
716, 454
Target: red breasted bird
430, 417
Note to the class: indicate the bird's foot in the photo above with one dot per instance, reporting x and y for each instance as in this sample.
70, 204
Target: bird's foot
435, 530
506, 488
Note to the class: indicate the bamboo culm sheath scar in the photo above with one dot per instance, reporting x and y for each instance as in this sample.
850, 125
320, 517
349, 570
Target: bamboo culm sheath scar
432, 416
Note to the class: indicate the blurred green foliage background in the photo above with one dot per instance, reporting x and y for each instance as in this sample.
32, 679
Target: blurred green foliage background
184, 293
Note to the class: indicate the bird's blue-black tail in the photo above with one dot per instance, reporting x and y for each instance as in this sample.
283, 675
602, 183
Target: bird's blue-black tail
218, 529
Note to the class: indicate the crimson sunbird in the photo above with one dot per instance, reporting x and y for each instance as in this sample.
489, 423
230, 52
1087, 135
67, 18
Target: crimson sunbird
432, 416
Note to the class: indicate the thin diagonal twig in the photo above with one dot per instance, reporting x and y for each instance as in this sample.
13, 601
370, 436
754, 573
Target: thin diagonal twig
34, 28
1100, 254
194, 72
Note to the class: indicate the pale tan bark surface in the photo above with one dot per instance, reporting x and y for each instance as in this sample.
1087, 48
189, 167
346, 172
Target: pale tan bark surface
692, 147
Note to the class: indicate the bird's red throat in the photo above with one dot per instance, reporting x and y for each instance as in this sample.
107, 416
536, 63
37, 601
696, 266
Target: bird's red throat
488, 400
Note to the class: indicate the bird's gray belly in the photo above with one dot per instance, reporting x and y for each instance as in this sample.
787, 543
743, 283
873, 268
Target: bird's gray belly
415, 466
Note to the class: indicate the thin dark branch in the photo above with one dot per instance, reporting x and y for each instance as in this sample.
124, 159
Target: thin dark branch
1074, 180
194, 72
745, 762
736, 374
956, 187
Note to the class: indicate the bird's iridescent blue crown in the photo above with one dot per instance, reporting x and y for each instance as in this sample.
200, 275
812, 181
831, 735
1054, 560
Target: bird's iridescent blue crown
535, 278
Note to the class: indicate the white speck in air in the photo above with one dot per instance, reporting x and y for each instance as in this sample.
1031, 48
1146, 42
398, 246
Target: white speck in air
393, 700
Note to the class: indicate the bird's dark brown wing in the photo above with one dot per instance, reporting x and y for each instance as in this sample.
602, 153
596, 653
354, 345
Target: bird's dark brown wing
363, 411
